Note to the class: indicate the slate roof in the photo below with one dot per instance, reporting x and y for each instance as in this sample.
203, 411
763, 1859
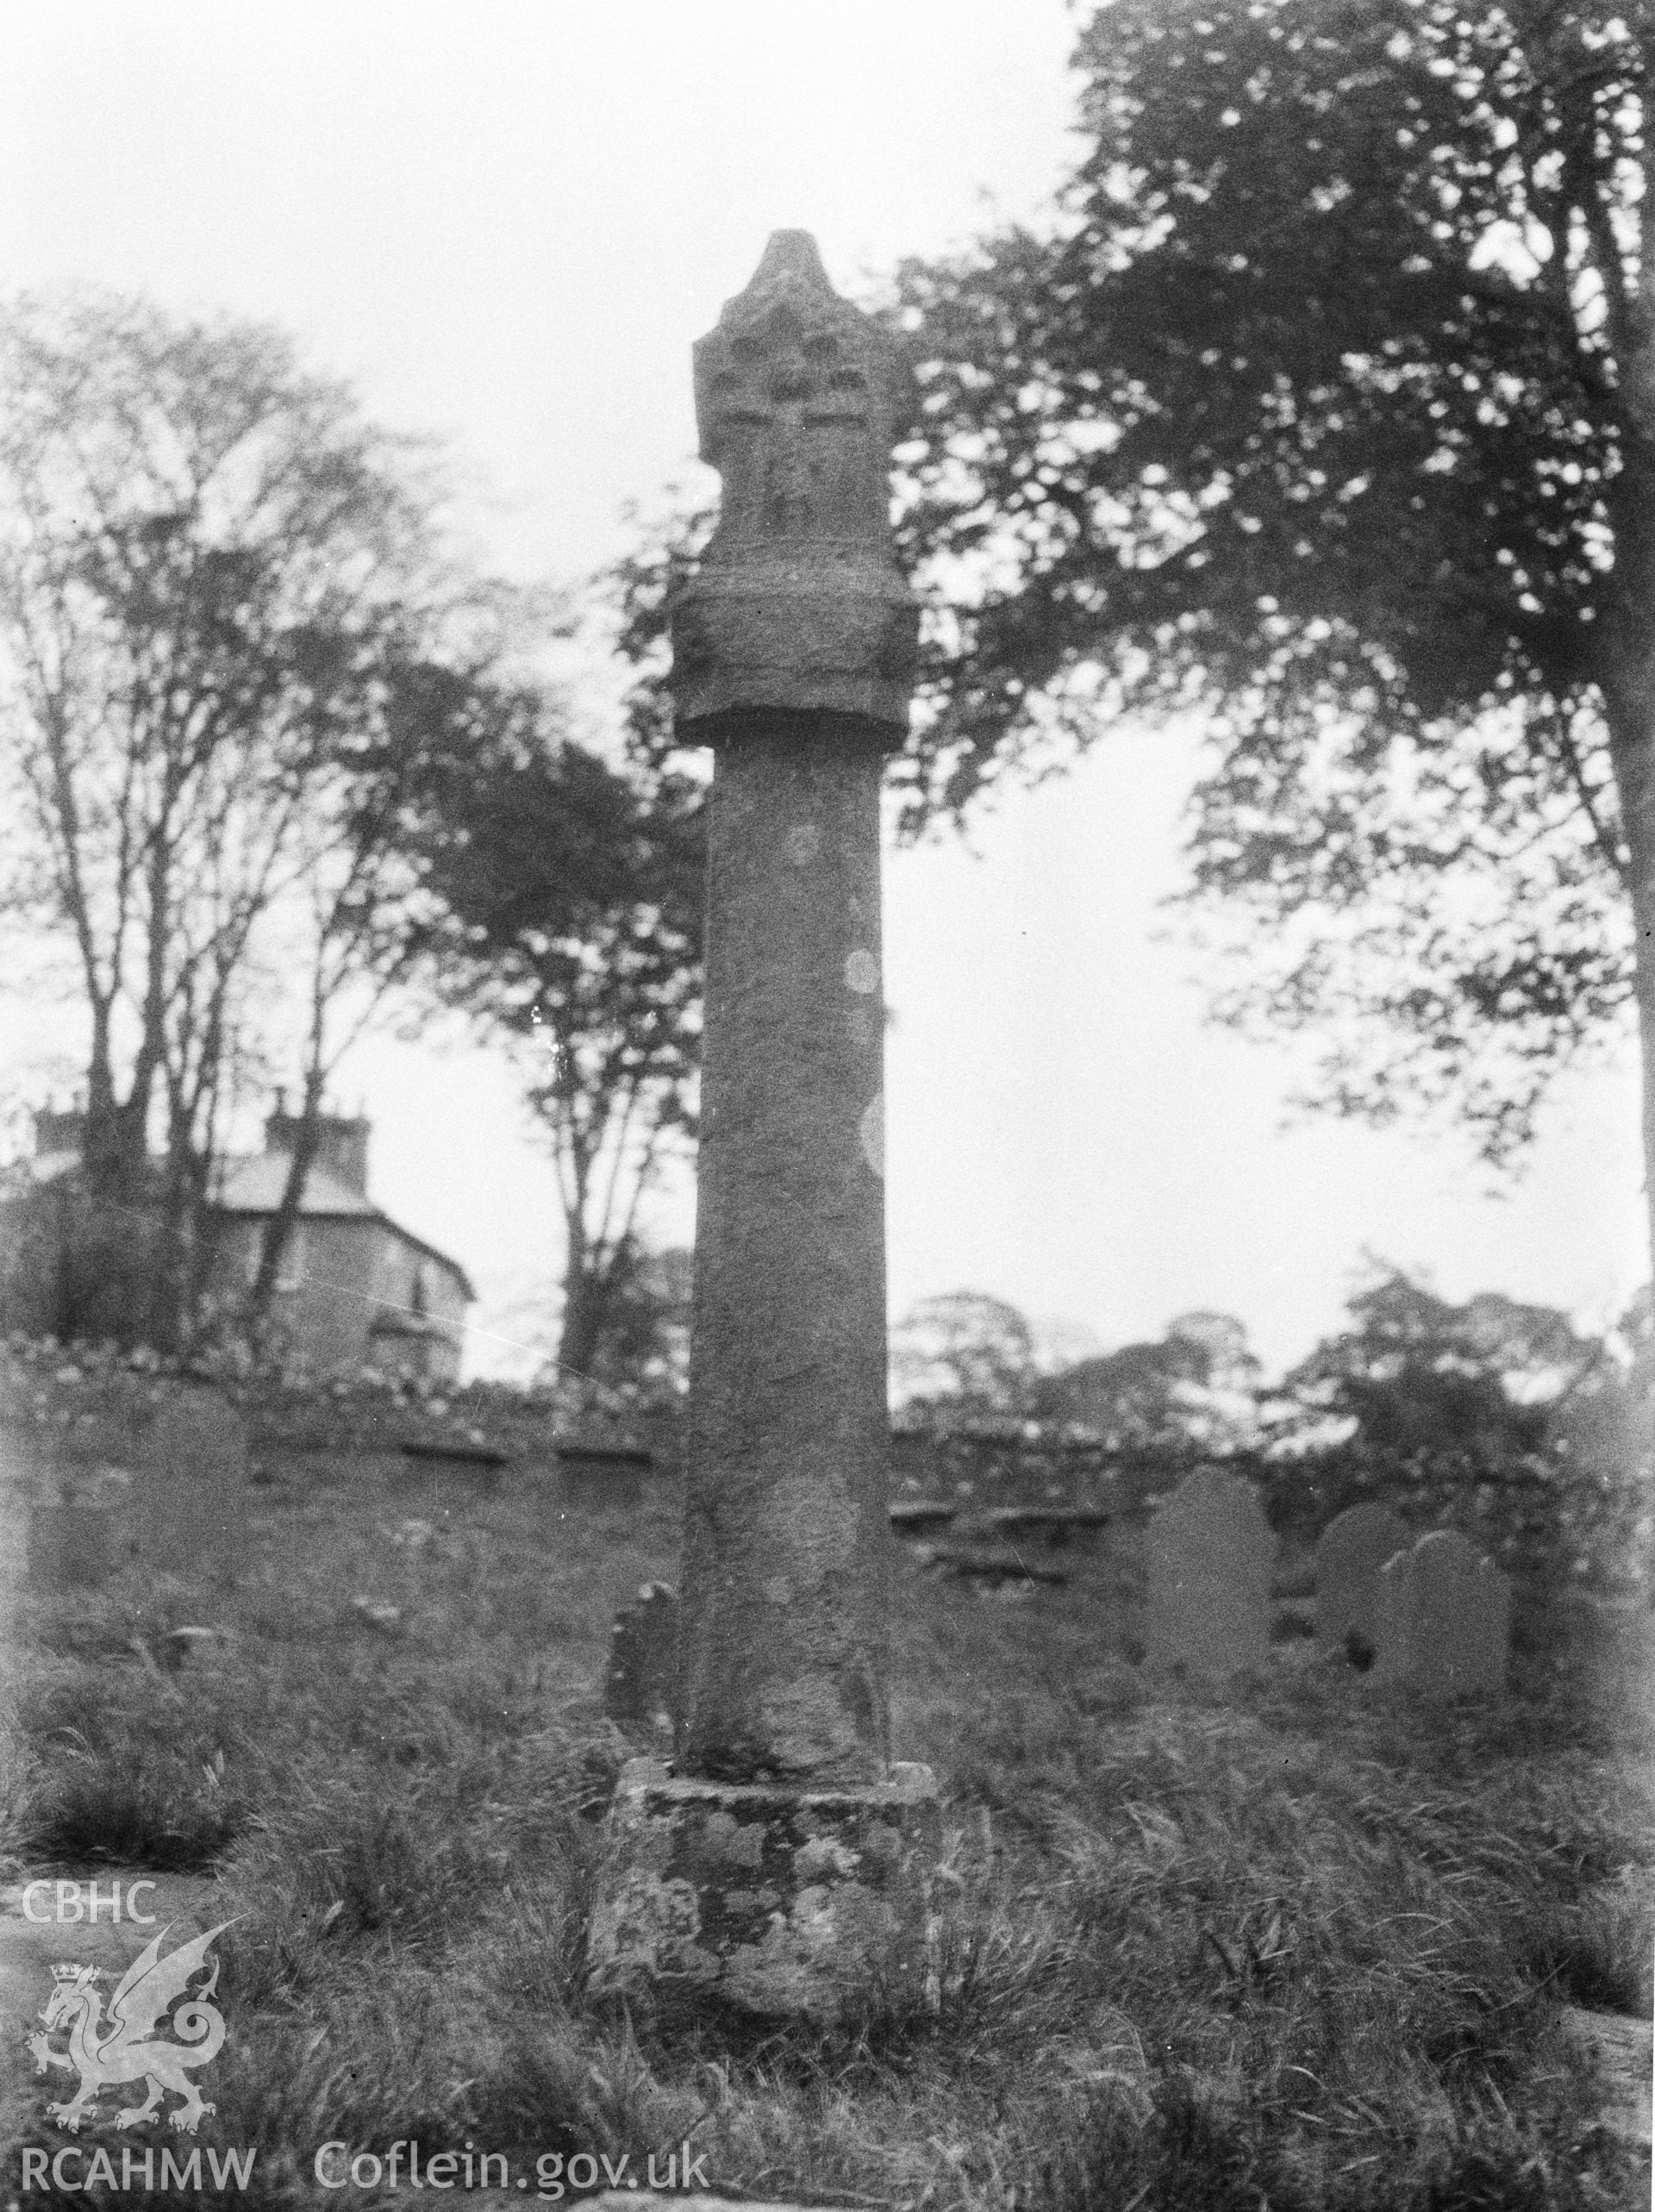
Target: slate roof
254, 1186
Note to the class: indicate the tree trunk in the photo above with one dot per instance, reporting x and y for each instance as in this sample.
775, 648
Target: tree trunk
1630, 701
1628, 677
107, 1268
1627, 682
278, 1231
584, 1302
176, 1229
101, 1144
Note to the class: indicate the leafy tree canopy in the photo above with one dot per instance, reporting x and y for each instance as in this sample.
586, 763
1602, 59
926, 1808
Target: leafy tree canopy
1325, 407
1198, 1384
963, 1356
566, 896
1416, 1372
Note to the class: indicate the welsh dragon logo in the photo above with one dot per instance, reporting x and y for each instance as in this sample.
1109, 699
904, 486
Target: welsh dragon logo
122, 2048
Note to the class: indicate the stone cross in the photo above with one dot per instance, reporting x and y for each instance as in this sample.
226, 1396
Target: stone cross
1210, 1556
1350, 1552
793, 650
792, 653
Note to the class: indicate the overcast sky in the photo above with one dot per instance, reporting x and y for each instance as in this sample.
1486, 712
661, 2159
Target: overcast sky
506, 221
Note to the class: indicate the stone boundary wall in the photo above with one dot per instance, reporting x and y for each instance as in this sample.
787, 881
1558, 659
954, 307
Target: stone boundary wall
62, 1393
1527, 1514
1531, 1514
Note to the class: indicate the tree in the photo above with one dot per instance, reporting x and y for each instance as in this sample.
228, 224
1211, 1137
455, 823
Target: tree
1325, 409
212, 571
570, 892
1198, 1385
365, 922
963, 1356
643, 1354
1602, 1425
1414, 1372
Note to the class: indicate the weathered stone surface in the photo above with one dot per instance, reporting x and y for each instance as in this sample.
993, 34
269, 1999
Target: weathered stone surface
783, 1901
643, 1667
991, 1564
74, 1546
792, 651
785, 1868
798, 605
1444, 1619
915, 1516
787, 1540
603, 1475
190, 1503
1350, 1552
916, 1463
1209, 1557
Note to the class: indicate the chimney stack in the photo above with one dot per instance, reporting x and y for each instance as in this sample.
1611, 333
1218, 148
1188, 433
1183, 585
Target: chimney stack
58, 1128
341, 1142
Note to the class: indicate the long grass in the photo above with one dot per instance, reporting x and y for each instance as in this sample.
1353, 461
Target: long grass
1290, 1944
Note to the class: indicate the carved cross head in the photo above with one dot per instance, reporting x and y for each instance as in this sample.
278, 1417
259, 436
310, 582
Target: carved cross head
799, 398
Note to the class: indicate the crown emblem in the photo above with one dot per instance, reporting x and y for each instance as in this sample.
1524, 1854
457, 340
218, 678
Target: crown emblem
65, 1972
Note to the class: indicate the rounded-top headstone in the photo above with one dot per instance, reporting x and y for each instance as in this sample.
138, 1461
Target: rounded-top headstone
1444, 1619
1350, 1552
1210, 1557
191, 1502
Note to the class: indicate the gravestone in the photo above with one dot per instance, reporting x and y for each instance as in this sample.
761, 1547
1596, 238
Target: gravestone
643, 1659
79, 1524
1350, 1552
1210, 1556
189, 1502
602, 1474
72, 1545
916, 1464
444, 1481
468, 1469
1444, 1619
784, 1865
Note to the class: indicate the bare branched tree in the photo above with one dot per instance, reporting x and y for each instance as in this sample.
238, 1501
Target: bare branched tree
212, 571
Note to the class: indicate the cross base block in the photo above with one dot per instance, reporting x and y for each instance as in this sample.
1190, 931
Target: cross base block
784, 1903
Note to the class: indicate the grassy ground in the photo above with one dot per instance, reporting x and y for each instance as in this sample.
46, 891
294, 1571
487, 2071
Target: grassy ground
1292, 1946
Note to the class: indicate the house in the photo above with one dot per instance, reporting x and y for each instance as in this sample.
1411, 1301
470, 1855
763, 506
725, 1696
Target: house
356, 1289
69, 1267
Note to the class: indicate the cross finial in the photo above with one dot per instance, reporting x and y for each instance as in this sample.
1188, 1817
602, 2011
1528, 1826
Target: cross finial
792, 253
799, 605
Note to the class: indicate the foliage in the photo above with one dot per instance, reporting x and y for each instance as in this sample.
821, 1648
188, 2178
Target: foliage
215, 575
1325, 407
368, 923
1198, 1385
968, 1357
568, 897
1414, 1372
637, 592
963, 1356
1603, 1427
645, 1346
